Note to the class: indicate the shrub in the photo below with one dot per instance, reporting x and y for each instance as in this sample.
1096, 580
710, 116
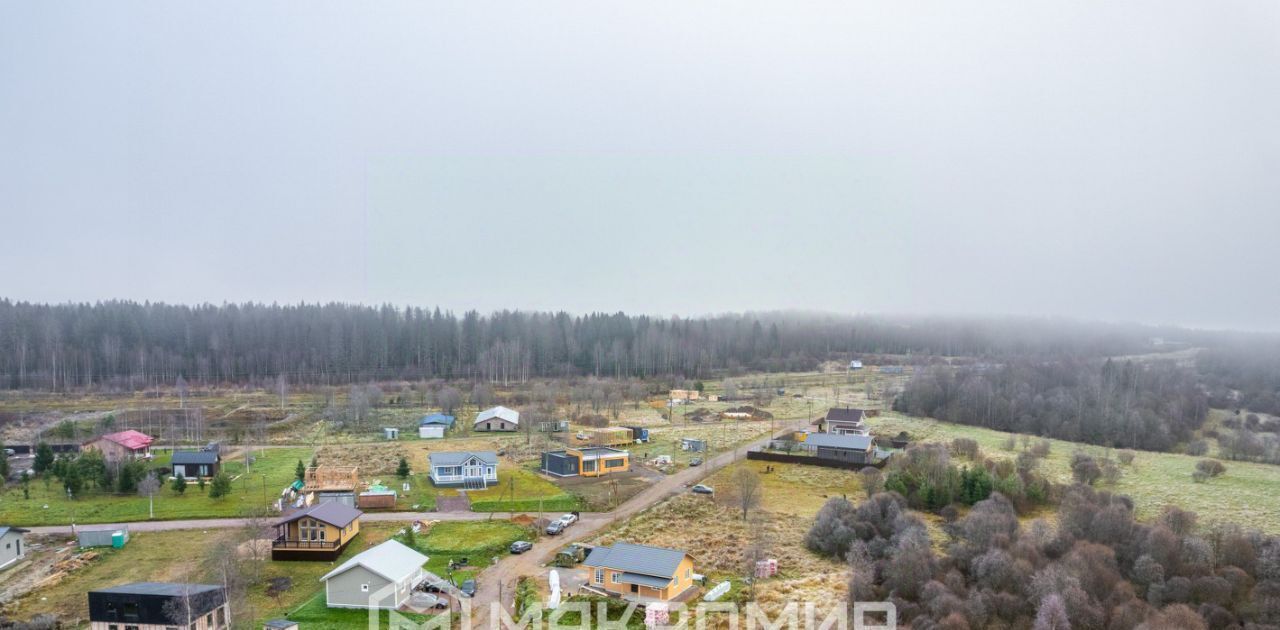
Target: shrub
1210, 467
1041, 448
1084, 469
965, 447
1126, 457
1197, 447
1010, 442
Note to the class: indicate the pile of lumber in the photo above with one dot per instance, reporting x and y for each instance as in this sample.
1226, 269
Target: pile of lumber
64, 566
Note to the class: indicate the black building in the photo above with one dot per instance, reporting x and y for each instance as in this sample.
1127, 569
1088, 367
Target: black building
161, 604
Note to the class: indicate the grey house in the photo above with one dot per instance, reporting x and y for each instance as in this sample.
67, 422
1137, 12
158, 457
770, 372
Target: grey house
857, 449
844, 421
13, 547
497, 419
196, 464
472, 469
381, 577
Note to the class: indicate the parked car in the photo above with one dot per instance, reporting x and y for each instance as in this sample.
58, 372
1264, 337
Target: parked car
555, 528
569, 519
521, 546
468, 588
433, 587
697, 461
703, 489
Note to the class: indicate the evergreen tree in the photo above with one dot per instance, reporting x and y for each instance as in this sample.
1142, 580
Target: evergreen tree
402, 471
72, 482
44, 458
221, 486
179, 484
300, 471
4, 464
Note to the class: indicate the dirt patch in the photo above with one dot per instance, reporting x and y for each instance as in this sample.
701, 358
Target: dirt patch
460, 503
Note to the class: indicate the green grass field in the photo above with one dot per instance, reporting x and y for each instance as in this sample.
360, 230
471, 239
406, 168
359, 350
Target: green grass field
1245, 495
49, 505
315, 615
522, 490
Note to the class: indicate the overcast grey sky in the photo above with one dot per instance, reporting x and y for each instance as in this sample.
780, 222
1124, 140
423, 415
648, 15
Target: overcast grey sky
1102, 160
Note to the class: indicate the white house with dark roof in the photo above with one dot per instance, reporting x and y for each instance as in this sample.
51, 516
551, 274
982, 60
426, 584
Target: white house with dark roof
641, 573
852, 448
497, 419
845, 421
471, 469
382, 577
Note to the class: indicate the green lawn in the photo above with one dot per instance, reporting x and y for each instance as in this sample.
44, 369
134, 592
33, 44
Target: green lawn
49, 504
315, 615
1245, 495
522, 490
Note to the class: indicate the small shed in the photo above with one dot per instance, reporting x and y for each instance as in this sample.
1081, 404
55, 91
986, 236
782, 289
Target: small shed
102, 537
381, 499
692, 444
434, 426
391, 433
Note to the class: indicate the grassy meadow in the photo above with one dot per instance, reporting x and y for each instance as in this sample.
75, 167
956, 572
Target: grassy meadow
1247, 494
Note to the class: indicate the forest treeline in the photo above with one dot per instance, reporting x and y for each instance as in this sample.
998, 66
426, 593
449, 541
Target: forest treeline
134, 345
1148, 405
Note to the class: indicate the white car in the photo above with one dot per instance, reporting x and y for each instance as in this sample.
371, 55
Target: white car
569, 519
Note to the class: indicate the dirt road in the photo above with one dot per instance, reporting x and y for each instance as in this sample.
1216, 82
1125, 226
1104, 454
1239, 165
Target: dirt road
497, 583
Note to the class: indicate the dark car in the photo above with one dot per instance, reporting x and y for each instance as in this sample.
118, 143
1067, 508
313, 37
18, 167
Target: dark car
521, 546
468, 588
697, 461
555, 528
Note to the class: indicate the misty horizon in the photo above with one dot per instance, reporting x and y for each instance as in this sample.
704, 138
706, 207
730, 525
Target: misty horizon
1092, 161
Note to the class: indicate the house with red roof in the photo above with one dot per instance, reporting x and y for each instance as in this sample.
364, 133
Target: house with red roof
122, 446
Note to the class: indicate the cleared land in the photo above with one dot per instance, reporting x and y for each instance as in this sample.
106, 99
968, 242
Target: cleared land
272, 470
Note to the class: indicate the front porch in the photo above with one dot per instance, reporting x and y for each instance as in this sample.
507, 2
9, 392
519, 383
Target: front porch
643, 600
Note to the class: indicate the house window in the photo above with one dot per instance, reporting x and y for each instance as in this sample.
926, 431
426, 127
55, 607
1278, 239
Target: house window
616, 576
489, 470
208, 620
311, 529
112, 626
130, 612
364, 588
599, 576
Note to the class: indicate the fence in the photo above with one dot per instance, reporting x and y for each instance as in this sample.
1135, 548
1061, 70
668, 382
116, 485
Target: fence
809, 460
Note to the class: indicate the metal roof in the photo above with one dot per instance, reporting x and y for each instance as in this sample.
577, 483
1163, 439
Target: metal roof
195, 457
436, 418
332, 512
392, 560
642, 559
16, 530
168, 589
836, 440
500, 412
132, 440
643, 580
836, 414
456, 458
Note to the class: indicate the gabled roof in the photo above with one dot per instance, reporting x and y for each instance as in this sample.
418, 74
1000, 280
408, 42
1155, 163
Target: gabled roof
836, 414
331, 512
16, 530
132, 440
436, 418
455, 458
195, 457
641, 559
836, 440
499, 412
392, 560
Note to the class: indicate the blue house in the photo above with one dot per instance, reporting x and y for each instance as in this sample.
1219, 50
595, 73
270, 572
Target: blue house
433, 426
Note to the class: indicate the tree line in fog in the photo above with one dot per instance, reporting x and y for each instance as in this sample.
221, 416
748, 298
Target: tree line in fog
132, 345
